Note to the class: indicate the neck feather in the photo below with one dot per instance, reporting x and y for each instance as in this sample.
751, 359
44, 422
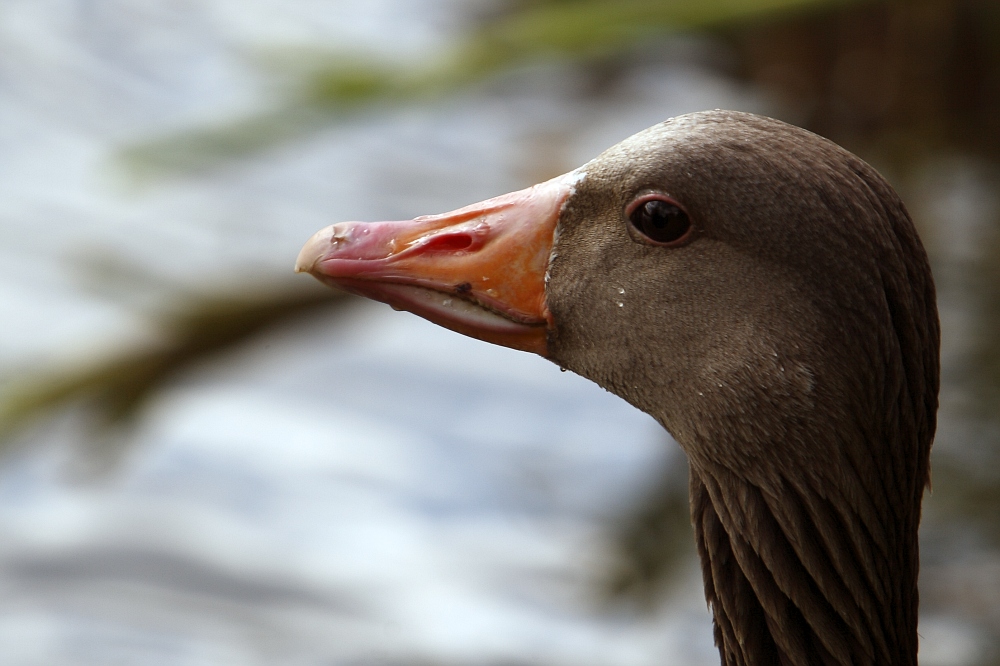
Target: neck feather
807, 526
801, 577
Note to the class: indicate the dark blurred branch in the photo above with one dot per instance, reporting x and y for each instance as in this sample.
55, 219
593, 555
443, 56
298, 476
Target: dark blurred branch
895, 79
116, 389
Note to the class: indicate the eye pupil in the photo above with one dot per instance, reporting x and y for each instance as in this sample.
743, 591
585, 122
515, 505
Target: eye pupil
661, 221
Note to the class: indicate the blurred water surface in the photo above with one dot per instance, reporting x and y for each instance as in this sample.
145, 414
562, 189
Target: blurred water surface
364, 488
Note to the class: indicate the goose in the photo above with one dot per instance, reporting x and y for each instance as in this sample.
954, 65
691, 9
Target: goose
764, 295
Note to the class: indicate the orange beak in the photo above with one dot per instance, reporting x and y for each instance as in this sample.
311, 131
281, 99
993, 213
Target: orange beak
479, 270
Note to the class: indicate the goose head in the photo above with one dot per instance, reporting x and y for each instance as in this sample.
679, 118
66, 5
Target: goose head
763, 294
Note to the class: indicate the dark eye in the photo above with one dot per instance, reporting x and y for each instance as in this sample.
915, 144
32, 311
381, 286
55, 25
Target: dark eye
660, 219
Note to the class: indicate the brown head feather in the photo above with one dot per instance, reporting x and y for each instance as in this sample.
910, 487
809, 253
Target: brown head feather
791, 348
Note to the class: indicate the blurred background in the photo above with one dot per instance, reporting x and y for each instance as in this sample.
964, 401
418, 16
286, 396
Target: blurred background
209, 460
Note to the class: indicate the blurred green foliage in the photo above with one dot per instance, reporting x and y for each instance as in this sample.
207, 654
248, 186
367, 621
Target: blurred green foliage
330, 87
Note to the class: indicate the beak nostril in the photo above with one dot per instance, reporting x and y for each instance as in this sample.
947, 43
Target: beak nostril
447, 242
